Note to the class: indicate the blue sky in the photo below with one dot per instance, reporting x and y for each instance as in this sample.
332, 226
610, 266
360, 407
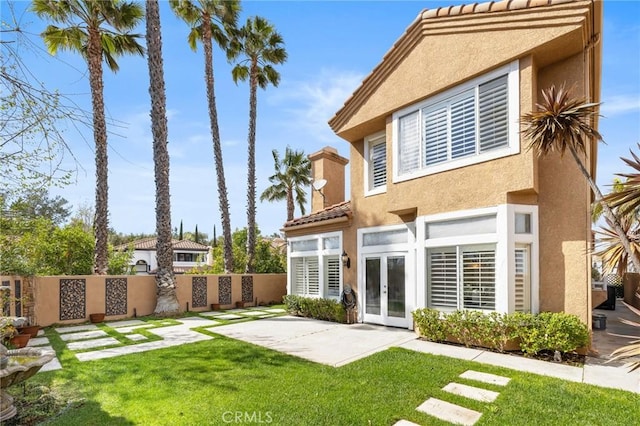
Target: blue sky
331, 46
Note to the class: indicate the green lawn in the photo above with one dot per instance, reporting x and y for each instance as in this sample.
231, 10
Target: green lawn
207, 383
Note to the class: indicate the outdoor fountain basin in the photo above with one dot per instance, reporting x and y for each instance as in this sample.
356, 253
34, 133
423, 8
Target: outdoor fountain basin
23, 363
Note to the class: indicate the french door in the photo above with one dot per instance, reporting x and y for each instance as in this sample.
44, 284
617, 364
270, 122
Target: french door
385, 295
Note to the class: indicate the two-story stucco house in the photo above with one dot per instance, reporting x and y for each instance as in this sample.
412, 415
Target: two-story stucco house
186, 255
448, 208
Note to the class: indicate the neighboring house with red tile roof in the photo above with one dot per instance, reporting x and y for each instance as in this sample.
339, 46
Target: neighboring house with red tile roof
448, 208
186, 255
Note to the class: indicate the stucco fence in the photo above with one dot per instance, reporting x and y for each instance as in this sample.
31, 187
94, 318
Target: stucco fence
71, 299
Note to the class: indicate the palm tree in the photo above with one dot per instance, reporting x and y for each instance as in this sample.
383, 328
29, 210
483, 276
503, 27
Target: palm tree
260, 45
292, 174
98, 30
212, 19
167, 301
563, 123
613, 255
626, 195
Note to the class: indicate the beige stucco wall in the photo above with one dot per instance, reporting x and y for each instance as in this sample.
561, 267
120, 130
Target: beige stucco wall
564, 213
549, 47
141, 294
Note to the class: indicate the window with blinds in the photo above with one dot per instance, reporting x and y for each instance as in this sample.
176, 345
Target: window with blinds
461, 277
377, 164
467, 123
306, 276
332, 276
522, 280
493, 114
409, 143
443, 278
479, 279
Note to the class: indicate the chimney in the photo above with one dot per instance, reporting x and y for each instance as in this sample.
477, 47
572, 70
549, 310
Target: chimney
327, 164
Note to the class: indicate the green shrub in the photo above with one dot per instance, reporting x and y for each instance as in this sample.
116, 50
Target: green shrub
554, 331
322, 309
546, 331
430, 325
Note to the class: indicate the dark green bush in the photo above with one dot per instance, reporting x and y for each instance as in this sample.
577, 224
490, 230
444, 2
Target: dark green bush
322, 309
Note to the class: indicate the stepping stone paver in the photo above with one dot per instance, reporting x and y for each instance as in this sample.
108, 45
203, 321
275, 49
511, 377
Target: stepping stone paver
125, 330
405, 423
38, 341
173, 336
229, 317
40, 333
54, 364
471, 392
127, 323
83, 335
448, 412
253, 313
211, 313
136, 337
492, 379
94, 343
275, 310
75, 328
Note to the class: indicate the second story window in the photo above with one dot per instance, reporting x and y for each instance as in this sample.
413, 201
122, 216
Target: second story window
376, 164
471, 123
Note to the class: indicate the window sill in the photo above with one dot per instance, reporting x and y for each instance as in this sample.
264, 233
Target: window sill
377, 191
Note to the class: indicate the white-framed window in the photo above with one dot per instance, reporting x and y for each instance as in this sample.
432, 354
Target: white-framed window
375, 170
332, 276
462, 277
485, 259
315, 269
474, 122
306, 276
522, 293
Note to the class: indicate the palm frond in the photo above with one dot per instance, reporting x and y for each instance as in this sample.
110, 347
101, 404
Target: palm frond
560, 122
626, 352
627, 199
610, 248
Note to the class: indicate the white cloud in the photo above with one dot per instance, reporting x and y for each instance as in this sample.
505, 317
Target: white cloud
314, 101
620, 104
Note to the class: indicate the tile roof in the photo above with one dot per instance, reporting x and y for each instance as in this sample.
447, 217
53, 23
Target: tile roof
183, 269
490, 6
150, 244
335, 211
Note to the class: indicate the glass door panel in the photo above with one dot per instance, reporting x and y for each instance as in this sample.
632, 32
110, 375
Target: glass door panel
396, 287
372, 284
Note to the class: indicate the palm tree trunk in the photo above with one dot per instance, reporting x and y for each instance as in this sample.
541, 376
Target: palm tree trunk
217, 148
251, 169
167, 301
624, 238
101, 220
290, 204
